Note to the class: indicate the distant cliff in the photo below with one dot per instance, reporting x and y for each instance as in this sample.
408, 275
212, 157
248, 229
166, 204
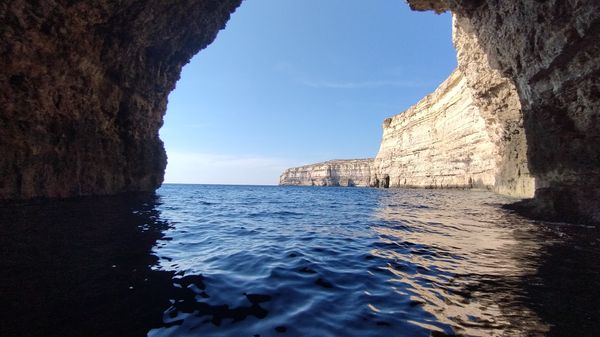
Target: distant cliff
443, 141
449, 139
354, 172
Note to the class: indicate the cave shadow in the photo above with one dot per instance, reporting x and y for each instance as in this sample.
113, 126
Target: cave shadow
85, 267
565, 290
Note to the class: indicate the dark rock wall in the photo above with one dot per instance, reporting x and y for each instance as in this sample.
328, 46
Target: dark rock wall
84, 86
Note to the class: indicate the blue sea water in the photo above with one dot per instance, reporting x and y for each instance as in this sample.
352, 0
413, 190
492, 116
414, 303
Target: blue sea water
209, 260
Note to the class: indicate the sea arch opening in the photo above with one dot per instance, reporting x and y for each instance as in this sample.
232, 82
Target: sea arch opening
82, 76
287, 84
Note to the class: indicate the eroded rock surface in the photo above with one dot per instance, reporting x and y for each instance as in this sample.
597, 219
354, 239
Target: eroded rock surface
498, 101
440, 142
550, 50
353, 172
83, 90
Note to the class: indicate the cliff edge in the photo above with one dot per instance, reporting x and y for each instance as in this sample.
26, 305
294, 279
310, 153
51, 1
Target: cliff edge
353, 172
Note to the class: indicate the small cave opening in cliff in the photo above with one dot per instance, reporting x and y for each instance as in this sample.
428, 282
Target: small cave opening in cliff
289, 83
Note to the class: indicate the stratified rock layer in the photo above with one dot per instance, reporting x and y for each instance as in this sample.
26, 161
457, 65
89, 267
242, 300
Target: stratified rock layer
354, 172
468, 133
441, 142
83, 90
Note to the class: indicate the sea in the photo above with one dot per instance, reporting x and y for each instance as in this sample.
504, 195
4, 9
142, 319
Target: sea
248, 261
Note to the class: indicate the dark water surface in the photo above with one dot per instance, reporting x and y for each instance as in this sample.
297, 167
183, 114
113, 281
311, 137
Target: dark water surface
197, 260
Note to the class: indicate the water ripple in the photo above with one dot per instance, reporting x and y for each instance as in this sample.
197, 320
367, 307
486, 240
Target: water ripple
359, 262
293, 261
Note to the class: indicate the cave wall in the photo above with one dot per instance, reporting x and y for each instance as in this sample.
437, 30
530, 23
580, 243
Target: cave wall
347, 173
83, 90
550, 51
498, 102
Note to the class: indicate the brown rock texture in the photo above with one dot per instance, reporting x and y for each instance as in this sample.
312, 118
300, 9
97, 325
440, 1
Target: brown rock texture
438, 6
83, 90
347, 173
554, 61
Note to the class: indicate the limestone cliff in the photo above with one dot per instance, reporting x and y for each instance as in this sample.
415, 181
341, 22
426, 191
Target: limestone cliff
468, 133
356, 172
83, 90
441, 142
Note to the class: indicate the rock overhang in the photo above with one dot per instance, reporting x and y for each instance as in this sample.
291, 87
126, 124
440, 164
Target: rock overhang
438, 6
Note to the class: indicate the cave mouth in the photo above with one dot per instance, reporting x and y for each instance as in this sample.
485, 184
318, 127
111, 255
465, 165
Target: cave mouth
85, 122
85, 88
322, 83
385, 182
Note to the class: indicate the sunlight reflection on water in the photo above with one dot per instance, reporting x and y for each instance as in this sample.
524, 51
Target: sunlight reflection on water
275, 261
381, 262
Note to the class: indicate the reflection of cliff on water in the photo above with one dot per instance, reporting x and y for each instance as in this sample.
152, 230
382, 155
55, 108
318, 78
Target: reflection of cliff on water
84, 268
472, 261
456, 260
485, 271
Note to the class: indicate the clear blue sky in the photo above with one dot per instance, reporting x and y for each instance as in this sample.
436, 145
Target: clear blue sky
292, 82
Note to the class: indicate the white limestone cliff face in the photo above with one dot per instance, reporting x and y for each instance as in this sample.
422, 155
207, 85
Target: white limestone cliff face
440, 142
468, 133
354, 172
